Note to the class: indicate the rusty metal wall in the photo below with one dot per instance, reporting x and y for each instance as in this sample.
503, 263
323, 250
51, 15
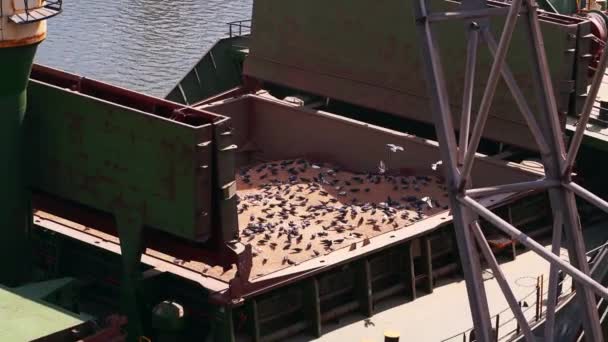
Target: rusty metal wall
121, 152
351, 144
366, 53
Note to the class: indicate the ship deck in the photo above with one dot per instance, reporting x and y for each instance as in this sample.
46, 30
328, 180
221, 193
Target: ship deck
445, 312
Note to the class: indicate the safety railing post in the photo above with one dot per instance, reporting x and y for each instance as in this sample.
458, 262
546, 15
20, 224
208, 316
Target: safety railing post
538, 302
497, 326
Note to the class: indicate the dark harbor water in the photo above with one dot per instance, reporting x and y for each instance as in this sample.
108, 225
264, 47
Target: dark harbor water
145, 45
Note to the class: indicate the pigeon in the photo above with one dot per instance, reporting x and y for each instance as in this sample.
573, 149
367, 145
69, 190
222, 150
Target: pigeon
394, 148
381, 167
428, 201
436, 165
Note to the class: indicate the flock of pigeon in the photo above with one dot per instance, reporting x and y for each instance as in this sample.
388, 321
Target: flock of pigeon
294, 210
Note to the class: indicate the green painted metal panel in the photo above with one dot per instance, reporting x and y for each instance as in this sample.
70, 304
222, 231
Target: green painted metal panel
367, 54
44, 289
217, 71
559, 6
15, 66
24, 319
119, 159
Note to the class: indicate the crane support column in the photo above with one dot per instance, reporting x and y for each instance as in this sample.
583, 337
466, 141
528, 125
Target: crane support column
22, 28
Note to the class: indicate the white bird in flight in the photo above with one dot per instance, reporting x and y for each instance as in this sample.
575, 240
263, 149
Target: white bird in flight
395, 148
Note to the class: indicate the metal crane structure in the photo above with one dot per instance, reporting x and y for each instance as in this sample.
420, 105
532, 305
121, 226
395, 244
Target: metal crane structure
557, 158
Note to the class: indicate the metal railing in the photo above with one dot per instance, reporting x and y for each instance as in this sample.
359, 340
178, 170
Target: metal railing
239, 28
56, 5
509, 329
46, 10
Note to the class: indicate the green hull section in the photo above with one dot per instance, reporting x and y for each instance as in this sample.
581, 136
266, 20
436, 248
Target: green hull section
219, 70
15, 66
25, 319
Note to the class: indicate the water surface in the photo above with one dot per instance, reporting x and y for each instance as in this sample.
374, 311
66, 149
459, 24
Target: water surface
144, 45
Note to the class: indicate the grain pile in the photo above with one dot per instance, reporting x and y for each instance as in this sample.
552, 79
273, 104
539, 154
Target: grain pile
294, 210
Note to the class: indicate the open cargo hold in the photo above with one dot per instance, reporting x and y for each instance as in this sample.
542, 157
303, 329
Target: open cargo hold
268, 129
264, 130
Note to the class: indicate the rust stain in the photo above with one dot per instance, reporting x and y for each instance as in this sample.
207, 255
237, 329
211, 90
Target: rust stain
23, 41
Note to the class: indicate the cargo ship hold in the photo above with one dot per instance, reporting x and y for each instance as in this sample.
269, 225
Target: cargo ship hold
407, 170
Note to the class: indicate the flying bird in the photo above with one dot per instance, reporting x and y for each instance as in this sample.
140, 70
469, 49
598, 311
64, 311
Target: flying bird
394, 148
436, 165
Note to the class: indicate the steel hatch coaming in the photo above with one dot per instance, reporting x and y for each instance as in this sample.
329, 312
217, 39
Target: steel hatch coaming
253, 119
115, 158
370, 58
349, 143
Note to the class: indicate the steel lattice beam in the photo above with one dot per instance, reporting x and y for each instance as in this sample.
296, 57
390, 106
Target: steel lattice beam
544, 125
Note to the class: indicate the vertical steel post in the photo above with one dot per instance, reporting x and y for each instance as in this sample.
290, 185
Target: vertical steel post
18, 44
562, 201
427, 256
552, 293
15, 66
545, 127
538, 303
486, 251
467, 93
497, 327
364, 288
130, 230
313, 306
442, 118
222, 325
491, 84
253, 319
409, 274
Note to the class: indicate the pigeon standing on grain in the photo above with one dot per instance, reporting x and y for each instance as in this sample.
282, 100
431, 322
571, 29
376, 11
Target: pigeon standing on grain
381, 167
284, 206
428, 201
